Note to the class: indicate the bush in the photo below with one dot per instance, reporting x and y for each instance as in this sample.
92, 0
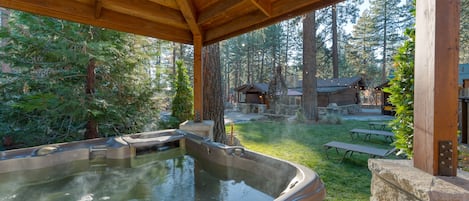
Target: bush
300, 117
168, 123
331, 119
182, 105
401, 88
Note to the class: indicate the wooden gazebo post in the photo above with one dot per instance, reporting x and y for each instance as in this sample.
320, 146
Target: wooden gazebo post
436, 86
190, 15
198, 79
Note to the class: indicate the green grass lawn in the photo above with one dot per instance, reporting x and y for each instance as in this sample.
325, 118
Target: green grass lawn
303, 144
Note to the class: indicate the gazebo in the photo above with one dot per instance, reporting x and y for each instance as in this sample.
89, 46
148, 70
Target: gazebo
203, 22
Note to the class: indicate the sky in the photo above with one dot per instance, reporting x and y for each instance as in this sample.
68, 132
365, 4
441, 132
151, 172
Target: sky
365, 5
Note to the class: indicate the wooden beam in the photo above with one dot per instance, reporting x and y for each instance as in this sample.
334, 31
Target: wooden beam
281, 10
264, 5
231, 28
147, 10
190, 14
286, 7
98, 5
217, 10
85, 14
198, 79
202, 5
436, 86
121, 22
168, 3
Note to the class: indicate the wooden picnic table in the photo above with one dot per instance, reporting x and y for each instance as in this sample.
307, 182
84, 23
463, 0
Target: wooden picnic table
351, 148
367, 132
378, 125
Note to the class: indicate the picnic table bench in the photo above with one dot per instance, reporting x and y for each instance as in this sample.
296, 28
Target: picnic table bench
357, 131
378, 125
351, 148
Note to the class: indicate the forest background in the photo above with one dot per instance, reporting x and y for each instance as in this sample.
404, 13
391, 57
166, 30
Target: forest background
45, 63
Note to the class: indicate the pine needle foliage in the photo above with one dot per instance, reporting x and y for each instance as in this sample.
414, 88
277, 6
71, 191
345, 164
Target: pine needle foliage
43, 100
182, 105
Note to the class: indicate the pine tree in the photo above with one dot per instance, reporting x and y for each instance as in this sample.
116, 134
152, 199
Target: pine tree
361, 49
310, 99
44, 98
342, 14
182, 104
401, 88
390, 18
214, 107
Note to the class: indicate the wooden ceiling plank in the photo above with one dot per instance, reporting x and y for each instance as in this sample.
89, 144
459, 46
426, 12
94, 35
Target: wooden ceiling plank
236, 12
83, 13
89, 2
234, 25
202, 5
286, 8
258, 20
145, 27
190, 14
219, 13
216, 10
98, 6
264, 5
147, 10
167, 3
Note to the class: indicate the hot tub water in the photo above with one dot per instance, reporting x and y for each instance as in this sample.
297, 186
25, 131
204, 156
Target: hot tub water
154, 177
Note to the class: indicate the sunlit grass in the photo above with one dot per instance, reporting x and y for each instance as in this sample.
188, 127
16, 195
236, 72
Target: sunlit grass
303, 144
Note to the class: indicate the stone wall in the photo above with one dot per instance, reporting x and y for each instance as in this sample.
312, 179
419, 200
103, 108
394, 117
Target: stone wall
399, 180
341, 110
247, 108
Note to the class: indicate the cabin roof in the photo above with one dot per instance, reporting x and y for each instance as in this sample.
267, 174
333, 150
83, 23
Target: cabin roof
256, 87
324, 86
341, 82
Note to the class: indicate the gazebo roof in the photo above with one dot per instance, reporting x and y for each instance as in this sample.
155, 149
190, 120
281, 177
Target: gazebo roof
174, 20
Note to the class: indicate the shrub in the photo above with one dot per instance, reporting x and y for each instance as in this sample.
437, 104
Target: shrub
331, 119
168, 123
300, 117
182, 105
401, 88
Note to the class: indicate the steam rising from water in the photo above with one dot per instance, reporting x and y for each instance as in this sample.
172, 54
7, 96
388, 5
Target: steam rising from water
177, 178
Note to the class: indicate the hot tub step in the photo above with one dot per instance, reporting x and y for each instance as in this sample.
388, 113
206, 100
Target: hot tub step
98, 148
98, 152
98, 165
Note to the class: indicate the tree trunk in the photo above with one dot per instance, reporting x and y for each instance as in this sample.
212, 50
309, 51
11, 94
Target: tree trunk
261, 73
383, 76
214, 109
174, 55
335, 51
249, 56
181, 51
4, 16
227, 84
237, 78
310, 97
286, 51
91, 125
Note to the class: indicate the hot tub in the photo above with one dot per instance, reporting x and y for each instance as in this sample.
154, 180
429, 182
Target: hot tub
162, 165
